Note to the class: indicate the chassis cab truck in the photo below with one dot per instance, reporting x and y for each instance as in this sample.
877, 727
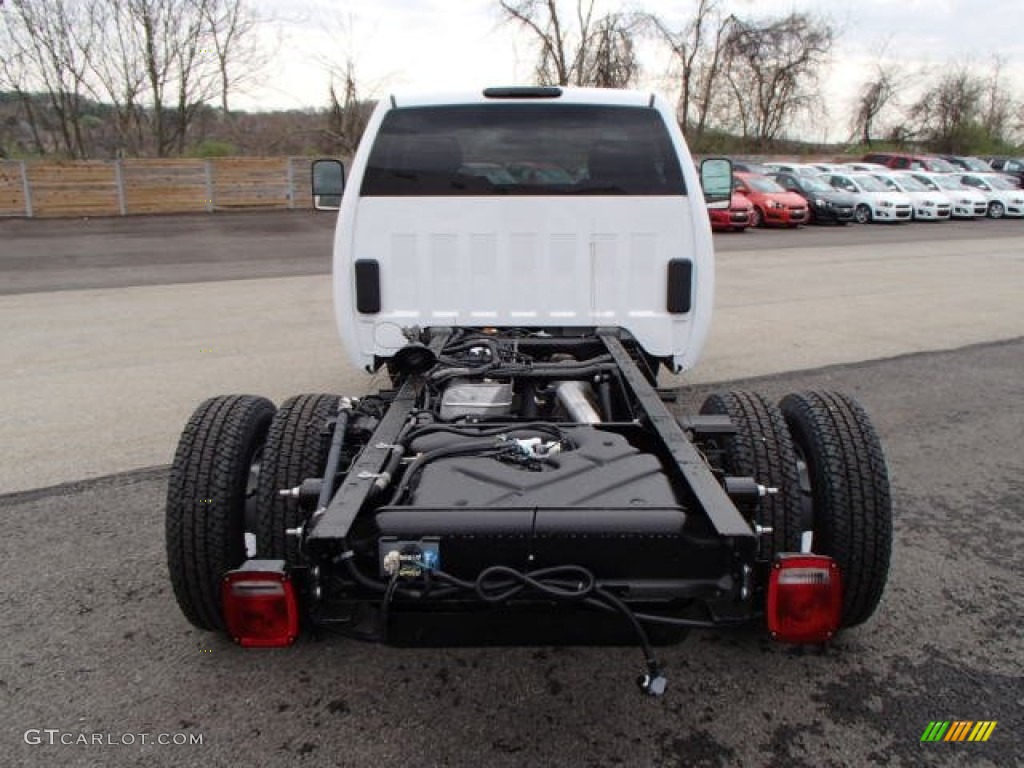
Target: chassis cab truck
521, 262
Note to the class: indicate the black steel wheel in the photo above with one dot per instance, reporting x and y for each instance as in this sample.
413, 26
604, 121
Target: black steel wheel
846, 477
210, 481
862, 214
761, 448
297, 448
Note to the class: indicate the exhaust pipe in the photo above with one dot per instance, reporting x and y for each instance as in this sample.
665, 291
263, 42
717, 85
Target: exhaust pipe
573, 395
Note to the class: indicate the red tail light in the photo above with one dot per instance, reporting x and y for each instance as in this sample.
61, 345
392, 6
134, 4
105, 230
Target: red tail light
260, 609
805, 598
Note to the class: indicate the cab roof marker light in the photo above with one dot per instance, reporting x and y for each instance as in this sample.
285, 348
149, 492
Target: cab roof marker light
523, 92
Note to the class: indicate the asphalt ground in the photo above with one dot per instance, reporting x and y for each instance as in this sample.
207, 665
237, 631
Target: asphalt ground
95, 645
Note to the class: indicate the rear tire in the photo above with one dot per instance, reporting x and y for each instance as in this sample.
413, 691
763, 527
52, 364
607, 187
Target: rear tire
849, 488
762, 449
296, 449
209, 483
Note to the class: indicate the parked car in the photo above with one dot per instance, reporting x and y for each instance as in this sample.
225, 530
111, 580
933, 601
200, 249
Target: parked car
967, 203
1011, 166
1004, 199
745, 166
829, 167
772, 203
929, 204
967, 163
735, 218
825, 203
862, 166
802, 169
902, 160
876, 203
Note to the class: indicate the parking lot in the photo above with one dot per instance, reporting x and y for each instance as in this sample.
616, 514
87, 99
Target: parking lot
115, 329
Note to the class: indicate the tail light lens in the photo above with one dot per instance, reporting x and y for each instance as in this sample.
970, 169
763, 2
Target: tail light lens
805, 598
260, 609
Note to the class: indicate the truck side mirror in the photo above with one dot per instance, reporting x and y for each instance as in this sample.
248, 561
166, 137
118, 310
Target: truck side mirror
716, 181
328, 184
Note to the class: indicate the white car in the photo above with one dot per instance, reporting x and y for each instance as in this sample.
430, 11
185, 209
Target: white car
860, 165
876, 202
828, 167
929, 204
800, 169
1004, 197
967, 203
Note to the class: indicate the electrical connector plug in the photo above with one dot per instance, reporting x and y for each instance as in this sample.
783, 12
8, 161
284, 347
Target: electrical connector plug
653, 683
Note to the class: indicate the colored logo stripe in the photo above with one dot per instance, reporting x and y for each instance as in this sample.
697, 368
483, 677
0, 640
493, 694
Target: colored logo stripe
982, 730
958, 730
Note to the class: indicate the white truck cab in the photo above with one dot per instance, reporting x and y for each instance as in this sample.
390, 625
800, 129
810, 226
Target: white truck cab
546, 208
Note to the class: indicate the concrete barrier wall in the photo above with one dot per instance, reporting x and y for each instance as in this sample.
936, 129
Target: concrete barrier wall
125, 187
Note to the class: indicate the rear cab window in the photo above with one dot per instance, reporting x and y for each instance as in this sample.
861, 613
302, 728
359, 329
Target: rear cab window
522, 149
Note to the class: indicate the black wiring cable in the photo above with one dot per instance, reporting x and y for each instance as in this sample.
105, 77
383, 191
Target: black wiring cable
515, 582
480, 447
653, 668
499, 583
380, 586
584, 588
385, 606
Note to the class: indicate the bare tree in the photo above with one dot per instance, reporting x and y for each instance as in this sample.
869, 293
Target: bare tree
877, 95
964, 111
190, 53
118, 77
233, 28
697, 52
998, 103
773, 68
578, 49
14, 77
50, 42
346, 117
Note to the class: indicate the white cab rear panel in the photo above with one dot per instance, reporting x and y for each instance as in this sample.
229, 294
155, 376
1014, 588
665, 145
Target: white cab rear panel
537, 261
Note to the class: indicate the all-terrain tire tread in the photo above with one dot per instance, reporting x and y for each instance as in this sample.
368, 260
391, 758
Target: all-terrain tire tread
853, 506
296, 450
763, 449
204, 522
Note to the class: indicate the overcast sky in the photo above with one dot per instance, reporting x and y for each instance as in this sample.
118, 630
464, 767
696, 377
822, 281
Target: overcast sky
452, 44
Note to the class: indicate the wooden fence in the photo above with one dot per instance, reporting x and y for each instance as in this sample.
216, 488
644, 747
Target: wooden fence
125, 187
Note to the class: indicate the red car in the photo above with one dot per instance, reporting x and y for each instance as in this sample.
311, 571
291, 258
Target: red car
772, 203
735, 218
